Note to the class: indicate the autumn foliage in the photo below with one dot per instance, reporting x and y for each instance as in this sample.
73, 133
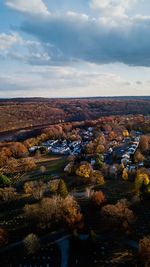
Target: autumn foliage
125, 175
84, 170
98, 198
35, 189
144, 250
55, 210
31, 244
7, 194
117, 216
142, 178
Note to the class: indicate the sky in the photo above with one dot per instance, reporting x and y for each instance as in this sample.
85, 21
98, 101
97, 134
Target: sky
74, 48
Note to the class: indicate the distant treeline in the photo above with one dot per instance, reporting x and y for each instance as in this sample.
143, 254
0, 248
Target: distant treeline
28, 112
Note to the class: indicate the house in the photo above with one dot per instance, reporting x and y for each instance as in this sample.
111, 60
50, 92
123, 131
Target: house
110, 150
130, 168
137, 139
93, 161
134, 146
141, 164
33, 148
131, 150
90, 129
50, 143
125, 159
126, 156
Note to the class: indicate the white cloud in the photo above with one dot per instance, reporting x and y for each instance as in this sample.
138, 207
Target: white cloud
69, 81
28, 6
115, 8
8, 40
14, 47
79, 37
51, 63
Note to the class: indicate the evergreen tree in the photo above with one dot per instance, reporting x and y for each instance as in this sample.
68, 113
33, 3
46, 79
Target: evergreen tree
4, 180
62, 189
99, 161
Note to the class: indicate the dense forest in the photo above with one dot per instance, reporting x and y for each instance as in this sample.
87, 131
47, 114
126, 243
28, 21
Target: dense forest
29, 112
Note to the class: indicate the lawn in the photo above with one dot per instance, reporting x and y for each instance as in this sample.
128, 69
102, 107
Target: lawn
53, 166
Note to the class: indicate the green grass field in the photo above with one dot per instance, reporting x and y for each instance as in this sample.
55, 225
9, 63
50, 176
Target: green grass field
53, 166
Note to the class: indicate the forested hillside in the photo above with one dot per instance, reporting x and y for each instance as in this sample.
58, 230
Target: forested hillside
22, 113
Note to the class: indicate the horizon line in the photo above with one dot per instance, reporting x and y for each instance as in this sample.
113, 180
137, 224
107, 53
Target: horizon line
73, 97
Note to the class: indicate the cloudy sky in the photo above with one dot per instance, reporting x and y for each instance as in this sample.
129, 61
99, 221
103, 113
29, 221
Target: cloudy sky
67, 48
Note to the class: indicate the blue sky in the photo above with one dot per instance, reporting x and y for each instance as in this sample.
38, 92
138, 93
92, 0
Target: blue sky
56, 48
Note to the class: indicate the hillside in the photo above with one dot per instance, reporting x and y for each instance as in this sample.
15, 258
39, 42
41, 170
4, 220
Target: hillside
28, 112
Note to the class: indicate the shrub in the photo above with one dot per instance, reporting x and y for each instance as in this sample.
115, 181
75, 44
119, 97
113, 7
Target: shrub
138, 157
31, 243
28, 187
141, 179
4, 180
99, 164
125, 175
34, 188
71, 212
50, 211
62, 189
53, 185
7, 194
98, 177
98, 198
46, 212
85, 171
69, 167
144, 250
42, 169
27, 164
18, 150
118, 215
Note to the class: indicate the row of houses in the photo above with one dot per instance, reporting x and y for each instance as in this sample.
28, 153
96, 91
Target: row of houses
59, 147
126, 157
65, 147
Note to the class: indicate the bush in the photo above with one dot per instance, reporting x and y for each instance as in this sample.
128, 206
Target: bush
7, 194
98, 178
46, 212
27, 164
118, 216
4, 180
42, 169
34, 188
144, 250
31, 243
98, 198
85, 171
53, 185
62, 189
142, 178
138, 157
50, 211
99, 164
125, 175
18, 150
71, 213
